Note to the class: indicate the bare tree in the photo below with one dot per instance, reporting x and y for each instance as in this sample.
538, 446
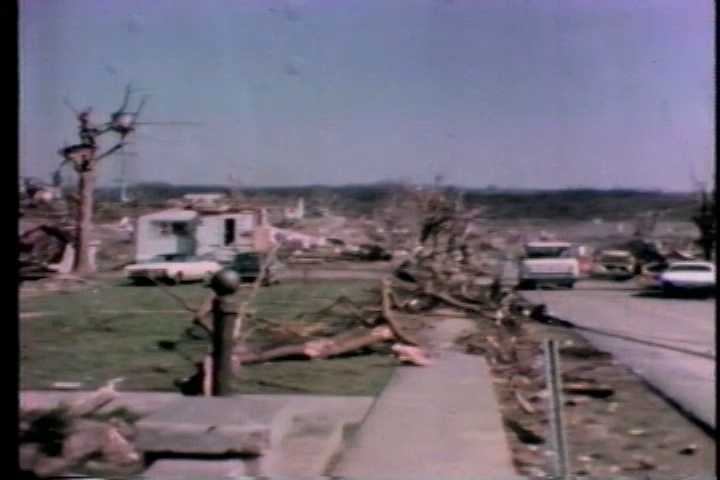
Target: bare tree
84, 159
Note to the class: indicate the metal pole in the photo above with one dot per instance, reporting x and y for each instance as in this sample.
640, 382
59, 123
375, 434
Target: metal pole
557, 427
225, 284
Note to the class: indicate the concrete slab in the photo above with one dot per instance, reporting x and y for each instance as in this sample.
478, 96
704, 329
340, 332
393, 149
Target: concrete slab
304, 434
182, 469
142, 403
309, 433
441, 421
209, 426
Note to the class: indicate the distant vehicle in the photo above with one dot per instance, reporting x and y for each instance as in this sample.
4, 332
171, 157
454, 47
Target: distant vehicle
248, 266
695, 277
548, 263
615, 264
173, 268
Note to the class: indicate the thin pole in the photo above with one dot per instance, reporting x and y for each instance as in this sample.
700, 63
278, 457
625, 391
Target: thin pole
557, 427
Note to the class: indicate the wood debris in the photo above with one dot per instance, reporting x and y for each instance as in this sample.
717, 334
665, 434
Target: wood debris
65, 438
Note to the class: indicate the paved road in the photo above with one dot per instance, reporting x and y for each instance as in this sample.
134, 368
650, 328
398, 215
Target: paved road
687, 323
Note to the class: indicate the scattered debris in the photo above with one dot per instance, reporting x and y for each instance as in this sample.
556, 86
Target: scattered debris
524, 434
411, 355
524, 403
591, 390
64, 439
584, 352
45, 250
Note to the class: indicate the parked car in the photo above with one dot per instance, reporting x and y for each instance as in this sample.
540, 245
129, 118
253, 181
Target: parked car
688, 277
248, 266
615, 264
548, 263
173, 268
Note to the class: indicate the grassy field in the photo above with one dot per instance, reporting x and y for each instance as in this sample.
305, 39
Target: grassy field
113, 331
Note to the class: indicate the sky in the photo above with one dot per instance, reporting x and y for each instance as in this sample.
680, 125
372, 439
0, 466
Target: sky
510, 93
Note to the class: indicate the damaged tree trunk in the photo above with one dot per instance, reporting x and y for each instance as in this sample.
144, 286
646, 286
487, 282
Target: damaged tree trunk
83, 264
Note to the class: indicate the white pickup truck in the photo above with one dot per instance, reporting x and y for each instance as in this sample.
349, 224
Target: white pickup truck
548, 263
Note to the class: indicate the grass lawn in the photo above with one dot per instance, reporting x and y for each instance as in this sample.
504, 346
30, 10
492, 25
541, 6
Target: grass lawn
112, 331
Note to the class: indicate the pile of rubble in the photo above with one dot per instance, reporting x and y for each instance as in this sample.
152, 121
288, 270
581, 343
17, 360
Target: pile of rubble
80, 437
44, 250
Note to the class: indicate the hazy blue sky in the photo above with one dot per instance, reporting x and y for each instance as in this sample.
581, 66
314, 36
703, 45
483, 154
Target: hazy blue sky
521, 93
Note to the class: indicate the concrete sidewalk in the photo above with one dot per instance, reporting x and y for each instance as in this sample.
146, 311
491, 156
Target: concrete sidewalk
441, 421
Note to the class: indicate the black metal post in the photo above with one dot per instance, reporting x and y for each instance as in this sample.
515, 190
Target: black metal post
224, 310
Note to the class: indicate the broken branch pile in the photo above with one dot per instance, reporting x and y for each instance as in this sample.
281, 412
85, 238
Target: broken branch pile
385, 328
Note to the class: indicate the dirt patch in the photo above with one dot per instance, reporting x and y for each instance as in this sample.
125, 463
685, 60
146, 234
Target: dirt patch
617, 427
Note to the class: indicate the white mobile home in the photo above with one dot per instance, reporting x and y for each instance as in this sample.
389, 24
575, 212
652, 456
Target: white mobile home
186, 231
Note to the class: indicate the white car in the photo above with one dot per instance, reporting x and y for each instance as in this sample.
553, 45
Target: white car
548, 262
615, 264
688, 276
173, 268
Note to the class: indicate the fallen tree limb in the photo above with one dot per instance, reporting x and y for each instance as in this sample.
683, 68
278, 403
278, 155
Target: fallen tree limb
388, 316
93, 402
411, 355
321, 348
524, 403
450, 300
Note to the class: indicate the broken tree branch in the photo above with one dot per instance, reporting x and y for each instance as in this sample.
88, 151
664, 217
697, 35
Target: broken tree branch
93, 402
524, 403
388, 316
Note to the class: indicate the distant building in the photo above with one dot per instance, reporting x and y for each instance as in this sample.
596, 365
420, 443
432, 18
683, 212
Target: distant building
297, 212
267, 237
208, 199
279, 214
192, 232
